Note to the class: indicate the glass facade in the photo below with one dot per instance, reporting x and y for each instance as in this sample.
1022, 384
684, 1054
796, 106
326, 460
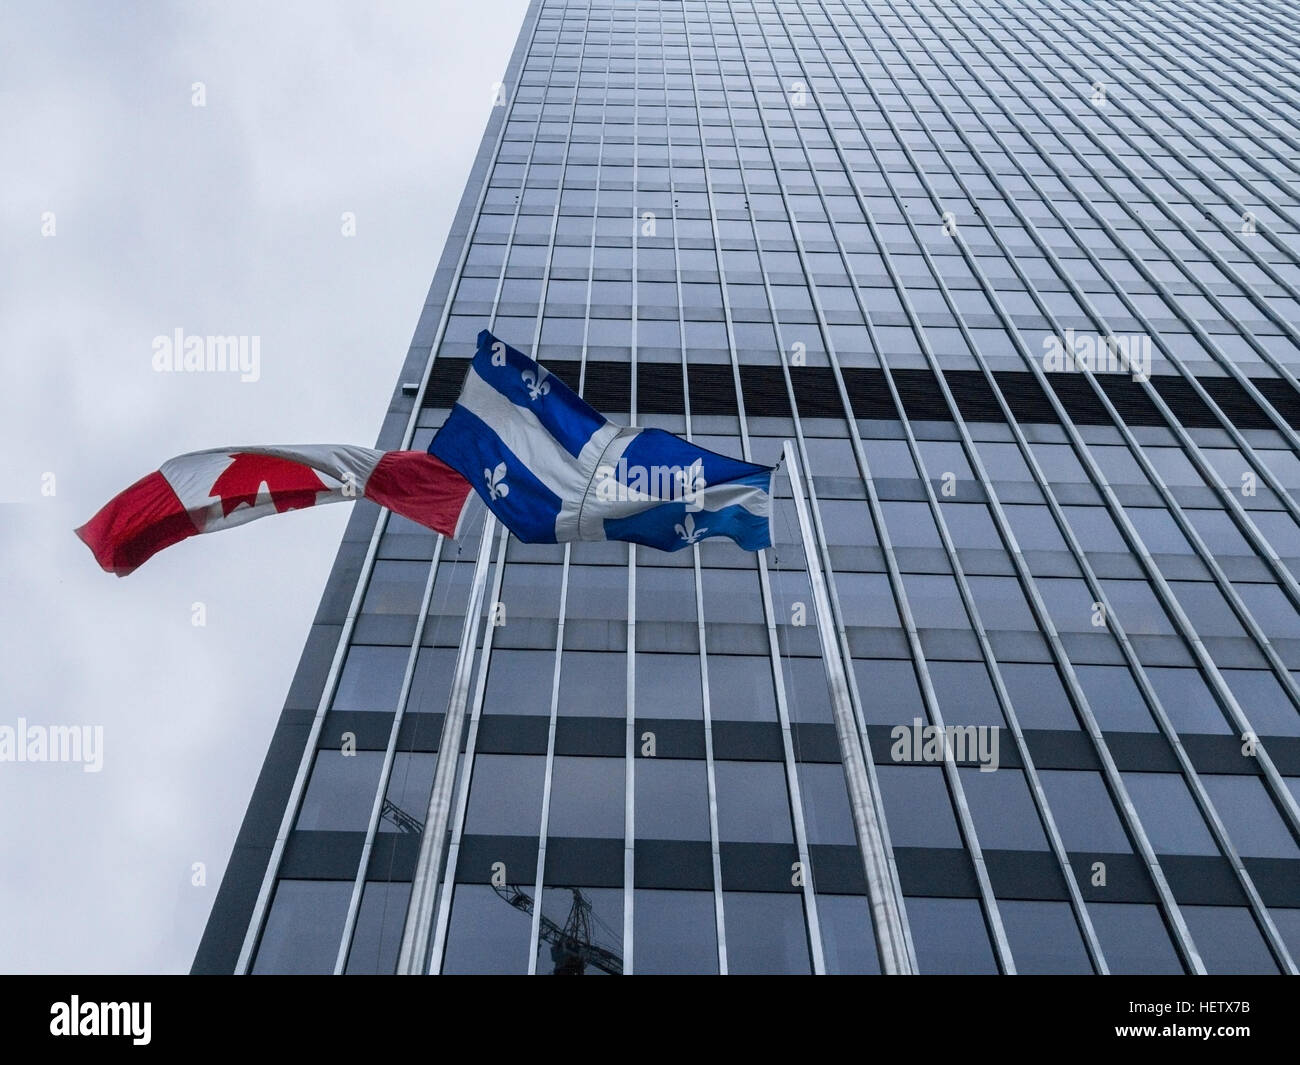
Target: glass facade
1021, 282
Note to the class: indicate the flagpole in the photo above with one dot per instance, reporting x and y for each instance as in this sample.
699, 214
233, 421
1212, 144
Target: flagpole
413, 960
886, 912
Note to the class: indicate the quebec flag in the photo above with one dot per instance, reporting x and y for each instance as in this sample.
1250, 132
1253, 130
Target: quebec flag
554, 470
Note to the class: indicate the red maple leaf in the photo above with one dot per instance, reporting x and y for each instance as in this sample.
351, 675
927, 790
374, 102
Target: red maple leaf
291, 485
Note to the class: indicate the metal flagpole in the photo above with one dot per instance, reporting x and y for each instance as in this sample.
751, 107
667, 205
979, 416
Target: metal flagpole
413, 960
887, 917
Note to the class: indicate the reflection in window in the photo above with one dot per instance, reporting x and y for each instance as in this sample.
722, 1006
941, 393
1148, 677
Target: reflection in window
486, 934
341, 791
409, 786
603, 909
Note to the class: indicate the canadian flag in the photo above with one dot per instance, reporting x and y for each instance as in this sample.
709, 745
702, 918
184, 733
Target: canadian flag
209, 490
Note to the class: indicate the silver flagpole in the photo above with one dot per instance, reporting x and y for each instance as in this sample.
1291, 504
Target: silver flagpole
414, 957
887, 918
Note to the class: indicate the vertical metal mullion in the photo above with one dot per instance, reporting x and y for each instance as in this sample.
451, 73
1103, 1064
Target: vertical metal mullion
262, 904
1128, 813
413, 956
1218, 259
893, 916
1260, 47
1232, 506
452, 864
1157, 580
1281, 27
390, 756
543, 828
1210, 182
465, 771
1187, 68
813, 925
1084, 921
988, 900
629, 734
1149, 694
1247, 16
992, 916
1286, 801
1240, 515
715, 853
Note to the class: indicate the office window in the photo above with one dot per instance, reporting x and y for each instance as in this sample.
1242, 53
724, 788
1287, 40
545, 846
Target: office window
1044, 938
675, 932
753, 802
303, 927
1133, 938
949, 936
587, 797
768, 931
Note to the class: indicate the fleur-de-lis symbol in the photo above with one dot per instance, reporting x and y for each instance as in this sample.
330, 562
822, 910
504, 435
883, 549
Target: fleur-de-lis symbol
536, 383
496, 481
687, 530
690, 481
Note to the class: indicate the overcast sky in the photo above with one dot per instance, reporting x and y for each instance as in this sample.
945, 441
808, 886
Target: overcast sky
218, 219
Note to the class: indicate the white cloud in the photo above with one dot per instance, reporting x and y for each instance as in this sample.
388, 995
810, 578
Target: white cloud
223, 219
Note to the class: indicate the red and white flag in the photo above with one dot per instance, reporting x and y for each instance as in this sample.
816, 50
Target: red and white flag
209, 490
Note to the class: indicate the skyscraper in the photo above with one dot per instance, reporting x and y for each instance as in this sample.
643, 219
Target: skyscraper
1019, 281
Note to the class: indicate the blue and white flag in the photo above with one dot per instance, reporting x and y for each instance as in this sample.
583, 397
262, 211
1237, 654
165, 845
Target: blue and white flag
554, 470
